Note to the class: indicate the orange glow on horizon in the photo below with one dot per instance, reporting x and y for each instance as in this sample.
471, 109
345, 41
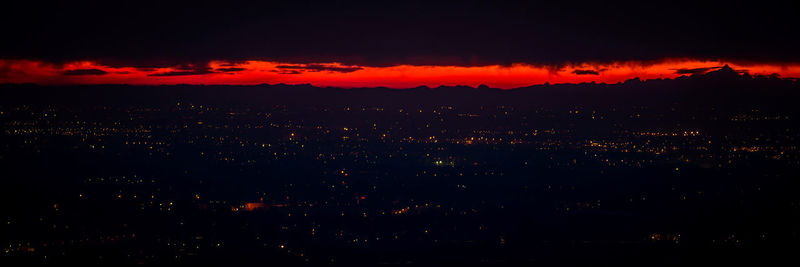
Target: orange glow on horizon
338, 75
251, 206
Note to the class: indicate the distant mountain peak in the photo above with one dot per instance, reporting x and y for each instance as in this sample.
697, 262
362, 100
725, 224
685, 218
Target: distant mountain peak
727, 68
726, 72
634, 80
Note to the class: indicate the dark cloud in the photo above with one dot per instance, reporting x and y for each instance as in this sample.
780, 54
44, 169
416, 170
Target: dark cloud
186, 69
182, 73
585, 72
319, 67
79, 72
232, 69
233, 63
6, 70
287, 71
380, 33
696, 70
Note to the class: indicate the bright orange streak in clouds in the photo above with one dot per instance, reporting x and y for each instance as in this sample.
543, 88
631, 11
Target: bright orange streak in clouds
337, 75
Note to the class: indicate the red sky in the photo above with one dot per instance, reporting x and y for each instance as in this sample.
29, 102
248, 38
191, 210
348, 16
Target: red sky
338, 75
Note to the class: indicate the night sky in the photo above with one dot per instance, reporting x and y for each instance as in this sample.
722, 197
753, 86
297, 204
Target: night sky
398, 44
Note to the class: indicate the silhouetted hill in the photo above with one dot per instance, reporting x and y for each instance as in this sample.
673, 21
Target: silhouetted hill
719, 87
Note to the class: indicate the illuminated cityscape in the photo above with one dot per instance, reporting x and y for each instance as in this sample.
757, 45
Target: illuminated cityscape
189, 182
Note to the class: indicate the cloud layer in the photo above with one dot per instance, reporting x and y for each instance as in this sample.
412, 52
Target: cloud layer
78, 72
340, 75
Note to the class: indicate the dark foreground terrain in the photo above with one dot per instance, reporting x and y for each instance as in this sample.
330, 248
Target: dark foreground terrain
697, 170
